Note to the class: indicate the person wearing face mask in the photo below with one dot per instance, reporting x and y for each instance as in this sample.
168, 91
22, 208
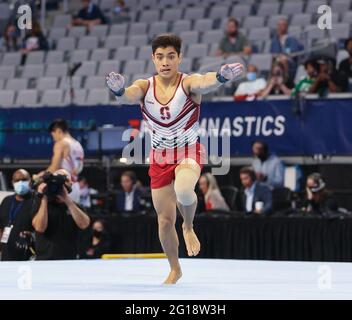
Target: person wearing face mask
268, 167
234, 41
99, 242
16, 218
57, 221
252, 88
279, 82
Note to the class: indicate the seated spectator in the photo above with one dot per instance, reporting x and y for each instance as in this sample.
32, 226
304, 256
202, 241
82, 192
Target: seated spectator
129, 198
99, 242
89, 16
234, 42
212, 195
304, 85
34, 40
318, 199
279, 82
328, 80
252, 88
268, 167
16, 219
345, 66
85, 193
11, 37
257, 197
120, 13
282, 42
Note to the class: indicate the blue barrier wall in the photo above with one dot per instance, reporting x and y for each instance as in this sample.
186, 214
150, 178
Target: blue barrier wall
322, 127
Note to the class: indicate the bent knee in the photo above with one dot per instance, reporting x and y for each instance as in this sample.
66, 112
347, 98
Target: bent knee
185, 196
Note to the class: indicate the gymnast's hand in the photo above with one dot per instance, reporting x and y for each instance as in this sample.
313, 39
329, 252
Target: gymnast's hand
116, 83
231, 71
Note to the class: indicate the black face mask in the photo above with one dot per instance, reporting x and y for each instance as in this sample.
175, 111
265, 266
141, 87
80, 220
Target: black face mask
98, 234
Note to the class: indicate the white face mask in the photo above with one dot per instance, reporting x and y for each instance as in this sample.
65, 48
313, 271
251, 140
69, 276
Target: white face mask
21, 187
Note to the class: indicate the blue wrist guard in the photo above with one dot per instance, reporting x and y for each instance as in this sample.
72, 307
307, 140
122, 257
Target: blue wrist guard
118, 93
220, 78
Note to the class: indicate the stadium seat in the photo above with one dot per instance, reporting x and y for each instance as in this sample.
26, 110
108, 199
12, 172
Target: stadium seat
62, 21
268, 8
213, 36
11, 59
99, 31
45, 83
125, 53
172, 14
77, 56
340, 6
301, 19
56, 70
88, 43
203, 25
96, 82
7, 72
137, 40
181, 26
54, 56
157, 27
66, 44
253, 22
134, 66
79, 98
118, 29
7, 98
292, 7
189, 37
108, 66
262, 34
27, 98
274, 19
35, 57
88, 68
33, 71
52, 97
99, 55
240, 11
144, 53
197, 50
194, 13
138, 28
149, 16
16, 84
261, 61
77, 32
115, 41
98, 97
218, 12
67, 83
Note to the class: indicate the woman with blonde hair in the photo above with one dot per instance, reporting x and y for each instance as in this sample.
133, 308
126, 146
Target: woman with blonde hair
212, 195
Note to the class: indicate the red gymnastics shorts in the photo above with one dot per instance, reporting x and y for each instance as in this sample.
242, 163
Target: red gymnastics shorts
164, 162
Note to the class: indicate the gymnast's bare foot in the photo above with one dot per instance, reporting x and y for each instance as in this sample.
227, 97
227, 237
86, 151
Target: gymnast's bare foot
174, 276
191, 240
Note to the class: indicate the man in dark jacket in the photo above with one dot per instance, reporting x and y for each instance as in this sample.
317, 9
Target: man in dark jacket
257, 197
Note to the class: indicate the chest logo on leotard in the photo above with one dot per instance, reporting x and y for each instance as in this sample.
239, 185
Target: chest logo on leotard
165, 113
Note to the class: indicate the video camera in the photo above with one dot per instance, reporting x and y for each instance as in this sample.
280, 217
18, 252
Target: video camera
54, 184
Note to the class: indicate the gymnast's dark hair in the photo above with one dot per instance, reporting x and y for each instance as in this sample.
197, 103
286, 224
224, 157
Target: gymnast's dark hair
58, 124
167, 40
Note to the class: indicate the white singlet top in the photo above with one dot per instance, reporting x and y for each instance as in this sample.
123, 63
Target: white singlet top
73, 163
174, 124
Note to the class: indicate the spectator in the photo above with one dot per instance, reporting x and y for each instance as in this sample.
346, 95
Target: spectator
345, 66
268, 167
234, 42
212, 195
304, 85
57, 222
16, 219
257, 197
318, 199
120, 12
85, 193
328, 80
253, 87
34, 40
282, 42
129, 198
11, 37
99, 242
89, 16
279, 82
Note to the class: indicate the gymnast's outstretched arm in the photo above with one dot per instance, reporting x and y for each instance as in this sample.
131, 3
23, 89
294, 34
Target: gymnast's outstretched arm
130, 95
202, 84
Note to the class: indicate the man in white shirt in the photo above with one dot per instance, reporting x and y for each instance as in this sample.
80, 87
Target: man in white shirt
253, 87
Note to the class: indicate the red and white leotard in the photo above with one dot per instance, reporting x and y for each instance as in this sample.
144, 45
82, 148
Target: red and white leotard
173, 124
174, 133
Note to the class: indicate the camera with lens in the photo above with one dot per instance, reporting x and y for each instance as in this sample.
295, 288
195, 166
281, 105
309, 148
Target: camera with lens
54, 184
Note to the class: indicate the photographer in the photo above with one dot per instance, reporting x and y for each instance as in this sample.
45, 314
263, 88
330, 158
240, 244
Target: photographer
318, 200
16, 220
58, 218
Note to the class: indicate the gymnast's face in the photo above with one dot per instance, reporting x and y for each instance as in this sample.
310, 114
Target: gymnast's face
166, 61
